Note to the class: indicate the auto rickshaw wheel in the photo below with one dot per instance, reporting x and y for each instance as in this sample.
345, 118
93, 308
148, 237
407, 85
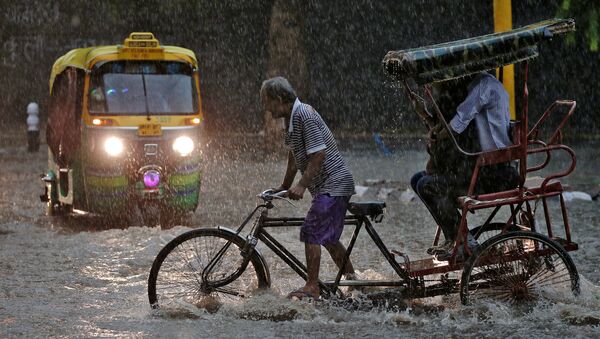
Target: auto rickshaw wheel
52, 205
517, 268
170, 219
149, 213
167, 220
50, 208
55, 209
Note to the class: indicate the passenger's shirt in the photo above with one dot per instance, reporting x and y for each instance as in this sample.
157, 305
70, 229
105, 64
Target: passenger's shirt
487, 103
308, 134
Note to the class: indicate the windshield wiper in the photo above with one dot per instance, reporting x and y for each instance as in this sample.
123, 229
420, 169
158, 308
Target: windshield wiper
146, 98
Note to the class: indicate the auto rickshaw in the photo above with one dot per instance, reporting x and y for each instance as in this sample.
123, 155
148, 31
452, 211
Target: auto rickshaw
123, 131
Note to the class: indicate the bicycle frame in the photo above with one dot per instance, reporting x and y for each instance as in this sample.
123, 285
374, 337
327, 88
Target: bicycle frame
331, 286
259, 232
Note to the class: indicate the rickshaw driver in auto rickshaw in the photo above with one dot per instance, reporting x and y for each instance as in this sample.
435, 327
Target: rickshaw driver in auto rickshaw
487, 105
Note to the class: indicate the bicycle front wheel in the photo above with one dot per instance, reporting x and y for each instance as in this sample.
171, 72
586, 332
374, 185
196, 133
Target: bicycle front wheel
178, 277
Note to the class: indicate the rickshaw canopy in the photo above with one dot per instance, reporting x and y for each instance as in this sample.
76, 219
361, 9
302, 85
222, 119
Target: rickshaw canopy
463, 57
138, 46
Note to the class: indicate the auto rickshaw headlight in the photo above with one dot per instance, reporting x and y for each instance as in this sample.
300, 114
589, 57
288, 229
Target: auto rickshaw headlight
183, 145
113, 146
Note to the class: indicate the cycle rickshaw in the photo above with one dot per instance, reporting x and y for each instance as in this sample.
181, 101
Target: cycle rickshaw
517, 259
123, 131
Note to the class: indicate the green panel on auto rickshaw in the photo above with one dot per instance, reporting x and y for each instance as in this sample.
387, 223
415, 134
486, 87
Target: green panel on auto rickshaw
107, 194
107, 182
184, 185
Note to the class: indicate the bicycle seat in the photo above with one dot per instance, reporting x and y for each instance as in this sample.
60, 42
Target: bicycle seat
368, 208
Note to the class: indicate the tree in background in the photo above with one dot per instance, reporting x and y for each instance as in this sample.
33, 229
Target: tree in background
587, 12
287, 56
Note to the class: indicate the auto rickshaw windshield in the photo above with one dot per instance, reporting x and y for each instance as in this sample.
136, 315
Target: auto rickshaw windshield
142, 87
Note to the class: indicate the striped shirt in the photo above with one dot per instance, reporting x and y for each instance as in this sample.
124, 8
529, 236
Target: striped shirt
308, 134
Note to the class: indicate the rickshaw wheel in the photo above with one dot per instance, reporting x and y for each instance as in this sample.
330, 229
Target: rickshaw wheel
518, 267
485, 232
176, 279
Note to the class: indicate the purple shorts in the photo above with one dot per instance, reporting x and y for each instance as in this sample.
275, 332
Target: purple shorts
324, 221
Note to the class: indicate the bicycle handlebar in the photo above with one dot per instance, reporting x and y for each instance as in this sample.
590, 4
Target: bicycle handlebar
270, 194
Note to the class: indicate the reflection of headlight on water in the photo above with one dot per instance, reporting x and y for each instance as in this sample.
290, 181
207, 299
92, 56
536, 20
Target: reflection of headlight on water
113, 146
183, 145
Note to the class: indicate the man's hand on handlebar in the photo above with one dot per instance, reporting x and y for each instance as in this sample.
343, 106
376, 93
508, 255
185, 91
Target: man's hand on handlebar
278, 189
296, 192
273, 193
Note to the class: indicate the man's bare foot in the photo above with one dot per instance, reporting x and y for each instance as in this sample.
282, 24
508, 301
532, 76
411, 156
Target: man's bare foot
305, 292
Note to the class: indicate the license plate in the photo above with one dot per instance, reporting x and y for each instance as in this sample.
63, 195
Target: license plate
147, 130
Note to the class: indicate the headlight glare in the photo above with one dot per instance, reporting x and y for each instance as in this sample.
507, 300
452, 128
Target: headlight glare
183, 145
113, 146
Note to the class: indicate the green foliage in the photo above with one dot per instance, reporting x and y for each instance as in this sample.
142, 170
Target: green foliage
592, 31
586, 13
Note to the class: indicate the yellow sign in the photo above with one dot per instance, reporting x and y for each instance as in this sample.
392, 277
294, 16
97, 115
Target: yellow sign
141, 46
143, 43
141, 36
149, 130
145, 39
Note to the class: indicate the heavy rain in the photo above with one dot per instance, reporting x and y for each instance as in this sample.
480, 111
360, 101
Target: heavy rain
76, 253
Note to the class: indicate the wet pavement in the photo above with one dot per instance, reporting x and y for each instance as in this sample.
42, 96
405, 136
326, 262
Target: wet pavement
80, 278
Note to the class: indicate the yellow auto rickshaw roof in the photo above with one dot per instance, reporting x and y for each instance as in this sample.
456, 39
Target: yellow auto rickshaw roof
84, 58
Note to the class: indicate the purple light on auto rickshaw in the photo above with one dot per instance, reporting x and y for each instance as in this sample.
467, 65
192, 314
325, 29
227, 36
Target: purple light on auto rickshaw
151, 178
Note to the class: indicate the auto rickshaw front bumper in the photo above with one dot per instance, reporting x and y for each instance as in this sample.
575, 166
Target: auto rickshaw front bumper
149, 173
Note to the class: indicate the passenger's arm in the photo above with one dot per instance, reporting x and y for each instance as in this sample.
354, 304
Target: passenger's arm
466, 111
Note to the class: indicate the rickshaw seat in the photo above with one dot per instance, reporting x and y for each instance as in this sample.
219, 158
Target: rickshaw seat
366, 208
511, 153
532, 187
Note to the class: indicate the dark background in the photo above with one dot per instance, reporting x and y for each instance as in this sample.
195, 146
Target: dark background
345, 41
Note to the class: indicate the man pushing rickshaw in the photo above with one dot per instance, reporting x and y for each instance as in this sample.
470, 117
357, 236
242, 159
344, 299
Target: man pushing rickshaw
510, 257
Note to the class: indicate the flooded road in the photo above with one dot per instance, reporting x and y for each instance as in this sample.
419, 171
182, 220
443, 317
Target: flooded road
78, 278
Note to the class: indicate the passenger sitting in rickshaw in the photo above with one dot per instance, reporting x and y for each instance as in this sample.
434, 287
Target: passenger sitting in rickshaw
485, 113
